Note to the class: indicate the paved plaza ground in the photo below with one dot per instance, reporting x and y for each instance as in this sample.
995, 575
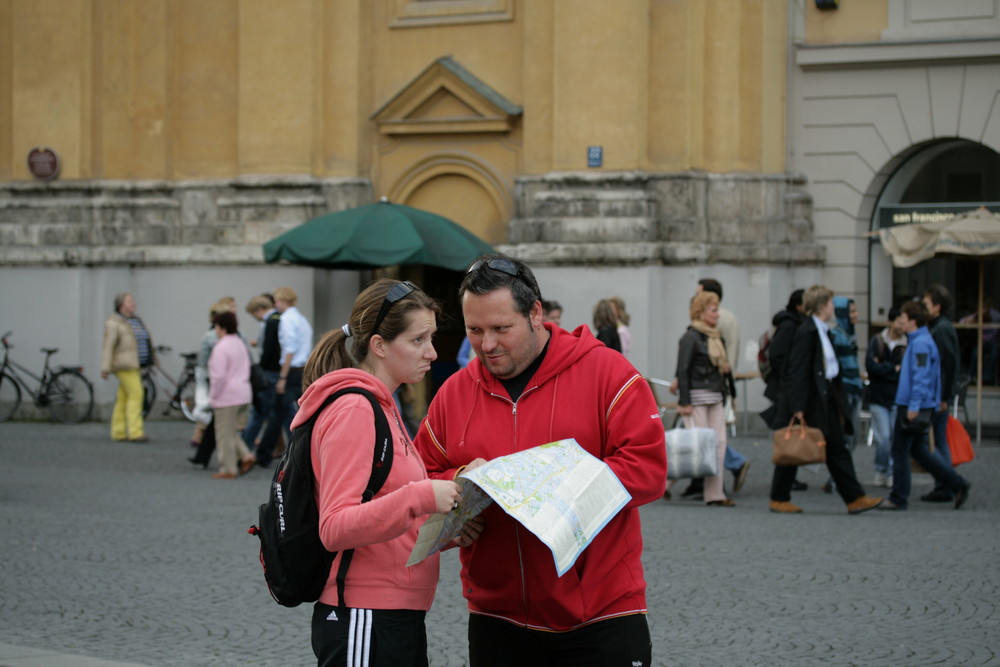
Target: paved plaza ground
116, 554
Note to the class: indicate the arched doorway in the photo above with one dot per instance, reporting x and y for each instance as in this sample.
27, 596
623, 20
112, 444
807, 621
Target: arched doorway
943, 178
472, 198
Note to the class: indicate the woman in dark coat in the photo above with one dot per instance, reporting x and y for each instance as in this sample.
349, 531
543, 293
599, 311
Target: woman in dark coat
606, 325
704, 380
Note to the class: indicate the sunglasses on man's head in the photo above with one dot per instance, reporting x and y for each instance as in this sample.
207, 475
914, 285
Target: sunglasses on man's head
505, 266
398, 291
497, 264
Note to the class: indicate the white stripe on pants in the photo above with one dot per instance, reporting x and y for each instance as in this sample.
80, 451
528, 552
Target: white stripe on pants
359, 638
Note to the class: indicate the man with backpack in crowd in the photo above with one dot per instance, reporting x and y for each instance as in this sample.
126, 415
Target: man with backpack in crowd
775, 352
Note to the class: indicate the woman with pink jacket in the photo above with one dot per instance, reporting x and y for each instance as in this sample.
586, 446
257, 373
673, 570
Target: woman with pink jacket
380, 620
229, 394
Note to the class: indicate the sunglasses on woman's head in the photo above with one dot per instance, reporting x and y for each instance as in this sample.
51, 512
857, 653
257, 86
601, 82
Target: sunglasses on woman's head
398, 291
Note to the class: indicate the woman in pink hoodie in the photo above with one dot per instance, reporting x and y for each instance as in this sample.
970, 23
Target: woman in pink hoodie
387, 342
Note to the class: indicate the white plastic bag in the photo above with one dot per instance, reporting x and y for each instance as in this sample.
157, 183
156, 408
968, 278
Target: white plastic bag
692, 452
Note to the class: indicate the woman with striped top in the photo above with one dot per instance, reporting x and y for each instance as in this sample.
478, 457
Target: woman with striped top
704, 379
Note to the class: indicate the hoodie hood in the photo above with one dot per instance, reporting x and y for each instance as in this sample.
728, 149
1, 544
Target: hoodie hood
842, 309
313, 397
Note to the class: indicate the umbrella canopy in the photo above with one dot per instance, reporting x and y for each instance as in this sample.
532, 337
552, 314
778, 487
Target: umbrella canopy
377, 235
973, 233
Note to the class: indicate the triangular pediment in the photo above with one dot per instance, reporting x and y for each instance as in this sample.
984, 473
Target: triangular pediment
446, 98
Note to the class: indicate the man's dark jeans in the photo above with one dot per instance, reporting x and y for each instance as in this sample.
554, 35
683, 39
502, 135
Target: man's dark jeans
263, 405
280, 418
905, 445
940, 426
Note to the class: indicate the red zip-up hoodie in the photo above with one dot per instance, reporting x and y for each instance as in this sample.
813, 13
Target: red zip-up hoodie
383, 531
582, 390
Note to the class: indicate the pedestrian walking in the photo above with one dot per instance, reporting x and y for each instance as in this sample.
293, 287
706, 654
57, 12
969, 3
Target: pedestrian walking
295, 342
918, 398
705, 379
938, 301
813, 396
883, 362
229, 394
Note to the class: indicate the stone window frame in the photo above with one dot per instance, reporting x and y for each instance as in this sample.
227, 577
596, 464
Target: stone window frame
932, 19
420, 13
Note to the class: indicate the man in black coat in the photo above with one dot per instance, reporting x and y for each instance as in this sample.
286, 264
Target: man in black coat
785, 323
938, 301
811, 392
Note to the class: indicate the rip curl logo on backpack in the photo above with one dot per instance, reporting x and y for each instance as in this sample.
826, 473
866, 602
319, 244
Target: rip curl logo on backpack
281, 506
296, 564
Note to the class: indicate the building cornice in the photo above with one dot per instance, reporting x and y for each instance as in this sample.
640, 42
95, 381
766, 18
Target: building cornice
882, 54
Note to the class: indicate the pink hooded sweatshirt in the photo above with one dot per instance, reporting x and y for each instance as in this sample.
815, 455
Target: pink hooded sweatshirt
383, 530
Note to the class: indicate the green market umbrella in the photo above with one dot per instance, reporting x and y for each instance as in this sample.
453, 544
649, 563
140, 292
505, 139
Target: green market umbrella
377, 235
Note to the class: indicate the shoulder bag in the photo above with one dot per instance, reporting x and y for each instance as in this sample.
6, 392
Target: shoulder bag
920, 424
798, 445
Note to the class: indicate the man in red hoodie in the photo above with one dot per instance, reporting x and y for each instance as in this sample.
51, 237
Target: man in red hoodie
532, 383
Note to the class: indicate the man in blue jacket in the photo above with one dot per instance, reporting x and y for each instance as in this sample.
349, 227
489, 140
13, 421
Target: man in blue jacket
919, 391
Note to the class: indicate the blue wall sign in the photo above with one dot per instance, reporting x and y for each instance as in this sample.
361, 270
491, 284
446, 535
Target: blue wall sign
595, 156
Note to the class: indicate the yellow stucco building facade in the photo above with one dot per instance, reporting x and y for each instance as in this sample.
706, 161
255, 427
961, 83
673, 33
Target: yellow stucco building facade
624, 148
178, 90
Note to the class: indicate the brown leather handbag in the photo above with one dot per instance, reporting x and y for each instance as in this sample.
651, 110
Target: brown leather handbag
798, 445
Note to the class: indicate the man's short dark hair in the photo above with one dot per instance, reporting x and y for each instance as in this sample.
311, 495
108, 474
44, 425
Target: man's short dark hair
494, 271
894, 313
939, 296
549, 306
917, 311
711, 285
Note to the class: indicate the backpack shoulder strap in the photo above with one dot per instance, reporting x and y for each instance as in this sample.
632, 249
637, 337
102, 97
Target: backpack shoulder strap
382, 457
381, 465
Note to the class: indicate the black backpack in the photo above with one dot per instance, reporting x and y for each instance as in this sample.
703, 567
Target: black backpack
296, 565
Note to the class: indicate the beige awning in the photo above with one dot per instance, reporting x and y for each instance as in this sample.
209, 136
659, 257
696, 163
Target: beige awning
974, 233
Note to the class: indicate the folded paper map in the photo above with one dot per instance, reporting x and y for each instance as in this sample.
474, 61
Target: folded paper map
558, 491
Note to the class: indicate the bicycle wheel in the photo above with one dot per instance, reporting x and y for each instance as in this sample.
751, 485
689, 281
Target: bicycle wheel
10, 397
148, 395
186, 396
69, 397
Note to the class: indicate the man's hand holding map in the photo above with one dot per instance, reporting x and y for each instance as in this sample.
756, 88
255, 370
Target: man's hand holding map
557, 491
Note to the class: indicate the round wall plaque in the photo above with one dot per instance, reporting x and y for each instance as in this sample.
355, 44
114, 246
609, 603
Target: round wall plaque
43, 163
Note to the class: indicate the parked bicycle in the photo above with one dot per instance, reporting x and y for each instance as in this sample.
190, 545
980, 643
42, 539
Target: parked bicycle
64, 391
180, 391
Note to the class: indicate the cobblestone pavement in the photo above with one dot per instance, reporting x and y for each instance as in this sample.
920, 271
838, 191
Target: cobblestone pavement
127, 553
